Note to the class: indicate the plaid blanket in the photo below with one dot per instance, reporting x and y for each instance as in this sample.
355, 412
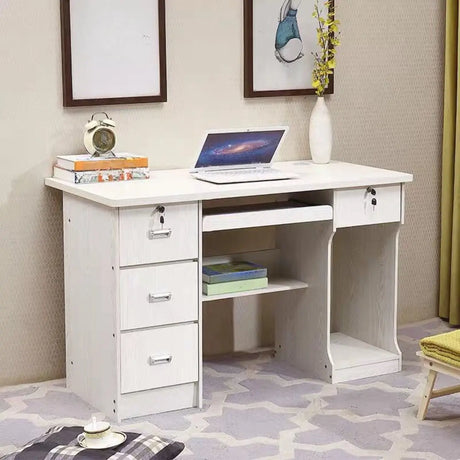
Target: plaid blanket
60, 443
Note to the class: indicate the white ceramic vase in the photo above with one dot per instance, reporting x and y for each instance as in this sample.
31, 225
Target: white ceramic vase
320, 133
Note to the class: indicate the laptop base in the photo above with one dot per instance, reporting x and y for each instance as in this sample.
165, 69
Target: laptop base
243, 175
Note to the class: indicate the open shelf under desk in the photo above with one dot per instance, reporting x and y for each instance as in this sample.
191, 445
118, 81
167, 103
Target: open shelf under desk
274, 285
263, 215
353, 359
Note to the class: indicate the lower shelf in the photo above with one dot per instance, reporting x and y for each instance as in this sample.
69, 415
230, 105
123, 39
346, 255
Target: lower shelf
274, 285
354, 359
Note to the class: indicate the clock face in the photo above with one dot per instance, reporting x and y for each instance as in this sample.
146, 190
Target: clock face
104, 140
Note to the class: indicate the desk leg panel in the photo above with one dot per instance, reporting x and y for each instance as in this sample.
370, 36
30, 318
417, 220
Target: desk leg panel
302, 321
91, 299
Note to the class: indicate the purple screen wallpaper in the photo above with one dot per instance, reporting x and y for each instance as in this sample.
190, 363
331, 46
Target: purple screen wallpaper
227, 149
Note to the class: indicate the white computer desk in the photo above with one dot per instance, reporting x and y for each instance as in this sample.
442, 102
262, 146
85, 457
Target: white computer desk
133, 298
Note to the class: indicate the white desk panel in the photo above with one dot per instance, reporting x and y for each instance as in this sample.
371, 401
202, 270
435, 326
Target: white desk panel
176, 185
337, 262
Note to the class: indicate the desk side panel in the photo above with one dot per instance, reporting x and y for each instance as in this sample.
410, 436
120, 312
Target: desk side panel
91, 299
303, 318
199, 386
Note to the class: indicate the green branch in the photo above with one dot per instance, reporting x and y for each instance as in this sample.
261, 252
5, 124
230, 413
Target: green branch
327, 33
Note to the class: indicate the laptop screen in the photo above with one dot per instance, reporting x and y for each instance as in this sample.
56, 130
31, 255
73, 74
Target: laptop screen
239, 148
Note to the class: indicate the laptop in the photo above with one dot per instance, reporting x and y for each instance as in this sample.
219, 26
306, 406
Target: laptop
228, 157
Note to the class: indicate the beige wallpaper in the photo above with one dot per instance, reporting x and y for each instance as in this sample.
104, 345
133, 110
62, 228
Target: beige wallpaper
386, 112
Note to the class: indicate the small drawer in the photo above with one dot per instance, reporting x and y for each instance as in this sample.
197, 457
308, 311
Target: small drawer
159, 357
353, 207
158, 295
144, 239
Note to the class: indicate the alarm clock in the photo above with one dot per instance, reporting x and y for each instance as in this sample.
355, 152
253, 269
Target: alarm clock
99, 137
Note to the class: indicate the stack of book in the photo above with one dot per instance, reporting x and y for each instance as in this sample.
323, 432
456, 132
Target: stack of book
87, 169
233, 277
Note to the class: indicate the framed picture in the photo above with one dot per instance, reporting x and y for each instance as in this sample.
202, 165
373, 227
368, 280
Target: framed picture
279, 37
113, 51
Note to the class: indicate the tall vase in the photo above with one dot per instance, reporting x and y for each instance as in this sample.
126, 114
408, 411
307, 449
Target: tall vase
320, 132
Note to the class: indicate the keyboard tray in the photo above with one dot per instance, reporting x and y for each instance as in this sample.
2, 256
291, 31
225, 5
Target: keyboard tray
262, 215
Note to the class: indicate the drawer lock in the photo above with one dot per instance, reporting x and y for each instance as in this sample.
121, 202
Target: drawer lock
163, 297
161, 359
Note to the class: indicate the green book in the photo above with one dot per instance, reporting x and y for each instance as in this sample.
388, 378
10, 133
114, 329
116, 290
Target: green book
232, 271
234, 286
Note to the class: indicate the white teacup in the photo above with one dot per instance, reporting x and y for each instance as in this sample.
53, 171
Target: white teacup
95, 435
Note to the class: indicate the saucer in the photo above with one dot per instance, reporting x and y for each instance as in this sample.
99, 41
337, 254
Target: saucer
113, 440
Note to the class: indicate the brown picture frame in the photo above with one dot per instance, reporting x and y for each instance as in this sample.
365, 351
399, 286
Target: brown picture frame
249, 90
69, 99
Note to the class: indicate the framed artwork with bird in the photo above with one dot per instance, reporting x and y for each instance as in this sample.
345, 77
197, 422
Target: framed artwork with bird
280, 39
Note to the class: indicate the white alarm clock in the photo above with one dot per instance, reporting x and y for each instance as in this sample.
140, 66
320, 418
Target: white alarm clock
100, 137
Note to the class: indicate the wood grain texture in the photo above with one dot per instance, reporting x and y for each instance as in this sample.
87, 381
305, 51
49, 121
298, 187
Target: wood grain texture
353, 359
252, 323
445, 391
240, 323
264, 218
177, 185
363, 371
141, 349
365, 284
136, 247
158, 400
348, 352
199, 384
400, 131
91, 299
274, 285
427, 394
178, 280
353, 207
153, 354
302, 318
431, 363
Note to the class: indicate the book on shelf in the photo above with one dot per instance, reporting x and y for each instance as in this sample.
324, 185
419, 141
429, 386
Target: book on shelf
104, 175
232, 271
87, 162
234, 286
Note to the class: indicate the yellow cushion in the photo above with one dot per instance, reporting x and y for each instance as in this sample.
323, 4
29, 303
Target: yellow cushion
443, 347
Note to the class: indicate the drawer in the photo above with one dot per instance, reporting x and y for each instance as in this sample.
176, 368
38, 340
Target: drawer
354, 207
144, 239
159, 357
157, 295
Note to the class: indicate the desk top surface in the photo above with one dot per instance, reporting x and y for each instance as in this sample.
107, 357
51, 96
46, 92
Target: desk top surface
177, 185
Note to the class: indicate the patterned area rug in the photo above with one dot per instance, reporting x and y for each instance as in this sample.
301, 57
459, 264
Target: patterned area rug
259, 408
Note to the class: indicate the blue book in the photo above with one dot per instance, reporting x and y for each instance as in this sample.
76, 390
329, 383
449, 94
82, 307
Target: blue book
232, 271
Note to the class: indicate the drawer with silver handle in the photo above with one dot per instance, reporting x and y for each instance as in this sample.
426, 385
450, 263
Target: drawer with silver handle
158, 233
158, 295
159, 357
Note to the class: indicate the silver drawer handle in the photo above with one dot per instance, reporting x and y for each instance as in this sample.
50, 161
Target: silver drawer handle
161, 359
163, 297
163, 233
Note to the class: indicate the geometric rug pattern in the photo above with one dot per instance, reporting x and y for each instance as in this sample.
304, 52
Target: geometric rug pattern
256, 407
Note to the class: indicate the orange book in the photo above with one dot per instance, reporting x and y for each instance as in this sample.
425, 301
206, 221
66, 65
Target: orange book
86, 162
103, 175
